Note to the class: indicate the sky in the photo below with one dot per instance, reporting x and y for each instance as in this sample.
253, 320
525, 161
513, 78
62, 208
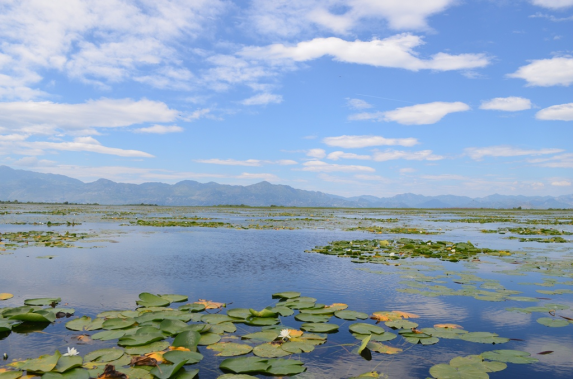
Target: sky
348, 97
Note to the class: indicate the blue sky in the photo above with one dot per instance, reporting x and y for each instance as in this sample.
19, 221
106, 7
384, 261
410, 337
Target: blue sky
350, 97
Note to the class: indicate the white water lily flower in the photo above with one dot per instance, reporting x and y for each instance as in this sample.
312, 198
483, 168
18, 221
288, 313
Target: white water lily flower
429, 243
285, 334
392, 254
453, 250
71, 352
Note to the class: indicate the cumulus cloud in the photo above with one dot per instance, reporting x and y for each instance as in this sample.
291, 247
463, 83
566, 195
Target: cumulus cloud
248, 162
358, 104
561, 183
553, 4
562, 112
263, 99
556, 71
508, 104
33, 162
336, 155
160, 129
557, 161
407, 170
396, 52
350, 142
316, 153
102, 113
478, 153
389, 155
291, 17
420, 114
319, 166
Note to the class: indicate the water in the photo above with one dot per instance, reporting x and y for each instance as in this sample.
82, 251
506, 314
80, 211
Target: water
244, 267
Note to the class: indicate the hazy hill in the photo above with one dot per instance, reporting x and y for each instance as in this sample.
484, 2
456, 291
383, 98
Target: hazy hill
26, 186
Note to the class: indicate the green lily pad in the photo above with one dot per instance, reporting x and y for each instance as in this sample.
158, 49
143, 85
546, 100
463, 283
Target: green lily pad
285, 367
364, 328
173, 327
509, 356
165, 371
483, 337
67, 363
11, 374
230, 349
85, 323
224, 327
319, 327
76, 373
140, 339
245, 365
265, 336
386, 336
43, 301
261, 321
118, 323
193, 307
176, 356
215, 318
188, 339
304, 317
551, 322
37, 316
241, 313
209, 339
401, 324
236, 376
263, 313
103, 355
286, 295
297, 347
175, 298
445, 371
149, 348
350, 315
268, 350
43, 363
150, 300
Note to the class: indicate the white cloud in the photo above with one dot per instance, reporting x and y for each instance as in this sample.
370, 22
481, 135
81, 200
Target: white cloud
389, 155
562, 112
33, 162
445, 177
263, 99
286, 162
561, 183
319, 166
316, 153
477, 153
102, 113
350, 142
160, 129
291, 17
102, 41
557, 161
509, 104
396, 52
556, 71
358, 104
406, 170
553, 4
336, 155
376, 178
88, 144
424, 114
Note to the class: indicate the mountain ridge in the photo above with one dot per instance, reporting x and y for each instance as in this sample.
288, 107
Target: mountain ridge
24, 186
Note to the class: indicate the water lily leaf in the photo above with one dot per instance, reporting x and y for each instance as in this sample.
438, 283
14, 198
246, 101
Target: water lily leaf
509, 356
483, 337
381, 348
85, 323
314, 339
447, 333
136, 373
304, 317
283, 311
286, 295
268, 350
365, 342
350, 315
319, 311
245, 365
140, 339
11, 374
230, 349
386, 336
448, 326
209, 339
235, 376
172, 327
417, 337
401, 324
476, 361
211, 304
241, 313
193, 307
43, 363
551, 322
175, 298
67, 363
285, 367
176, 356
150, 300
224, 327
522, 298
188, 339
385, 316
103, 355
319, 327
299, 305
265, 336
146, 349
263, 313
364, 328
118, 323
261, 321
445, 371
76, 373
297, 347
43, 301
165, 371
186, 374
37, 316
215, 318
6, 296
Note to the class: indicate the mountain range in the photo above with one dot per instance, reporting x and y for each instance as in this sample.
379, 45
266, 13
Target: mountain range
29, 186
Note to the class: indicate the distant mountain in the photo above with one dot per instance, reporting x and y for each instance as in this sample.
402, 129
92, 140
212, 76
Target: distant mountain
26, 186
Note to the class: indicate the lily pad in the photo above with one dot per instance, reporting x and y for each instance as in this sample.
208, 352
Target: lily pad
268, 350
401, 324
230, 349
319, 327
483, 337
245, 365
265, 336
209, 339
297, 347
551, 322
304, 317
285, 367
351, 315
150, 300
509, 356
286, 295
215, 318
44, 363
66, 363
149, 348
188, 339
85, 323
103, 355
175, 298
43, 301
165, 371
6, 296
364, 328
118, 323
176, 356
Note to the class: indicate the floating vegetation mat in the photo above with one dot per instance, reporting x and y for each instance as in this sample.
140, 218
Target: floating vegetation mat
158, 340
14, 240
